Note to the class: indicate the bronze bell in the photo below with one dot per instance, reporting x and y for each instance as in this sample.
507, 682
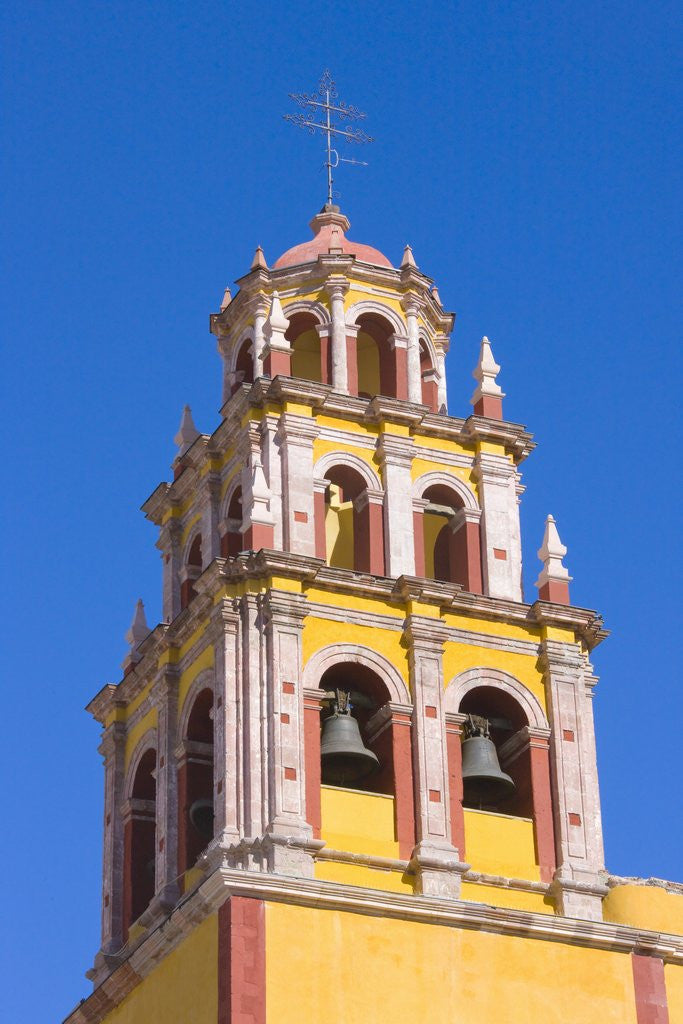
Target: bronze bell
201, 816
345, 758
483, 779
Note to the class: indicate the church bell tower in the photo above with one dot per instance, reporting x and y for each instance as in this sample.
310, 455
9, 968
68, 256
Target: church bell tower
352, 773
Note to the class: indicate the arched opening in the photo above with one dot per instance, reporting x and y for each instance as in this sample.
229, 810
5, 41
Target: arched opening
307, 361
231, 539
354, 535
244, 365
381, 365
195, 782
451, 550
191, 571
139, 841
359, 763
366, 695
505, 718
501, 828
428, 378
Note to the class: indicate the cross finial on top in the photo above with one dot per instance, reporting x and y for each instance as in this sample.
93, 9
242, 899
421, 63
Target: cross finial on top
328, 104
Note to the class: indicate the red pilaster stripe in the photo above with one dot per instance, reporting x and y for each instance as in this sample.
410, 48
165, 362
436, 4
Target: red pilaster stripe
242, 961
650, 989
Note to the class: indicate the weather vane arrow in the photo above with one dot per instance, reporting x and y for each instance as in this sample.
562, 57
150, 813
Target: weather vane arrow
326, 105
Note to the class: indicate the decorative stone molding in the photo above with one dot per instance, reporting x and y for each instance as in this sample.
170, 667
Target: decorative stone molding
471, 679
356, 654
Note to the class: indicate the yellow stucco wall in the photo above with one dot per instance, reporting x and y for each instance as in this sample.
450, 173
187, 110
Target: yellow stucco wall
354, 969
673, 977
182, 988
358, 822
645, 906
500, 844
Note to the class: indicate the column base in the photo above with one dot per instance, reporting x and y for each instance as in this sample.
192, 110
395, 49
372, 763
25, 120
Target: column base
291, 851
438, 870
580, 898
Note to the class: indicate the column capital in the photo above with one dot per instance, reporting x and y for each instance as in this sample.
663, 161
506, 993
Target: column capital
426, 633
336, 286
396, 450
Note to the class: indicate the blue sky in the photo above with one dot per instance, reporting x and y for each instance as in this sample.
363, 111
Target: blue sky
525, 150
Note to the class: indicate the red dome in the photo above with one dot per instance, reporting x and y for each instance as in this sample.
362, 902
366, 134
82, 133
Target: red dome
328, 230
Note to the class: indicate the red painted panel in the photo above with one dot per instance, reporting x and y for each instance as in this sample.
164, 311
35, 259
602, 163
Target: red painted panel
454, 754
543, 810
650, 989
352, 365
404, 806
312, 756
242, 961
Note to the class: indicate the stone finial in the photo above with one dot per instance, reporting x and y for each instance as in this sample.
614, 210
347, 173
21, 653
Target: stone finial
259, 260
436, 296
554, 579
136, 634
408, 258
227, 299
187, 432
488, 396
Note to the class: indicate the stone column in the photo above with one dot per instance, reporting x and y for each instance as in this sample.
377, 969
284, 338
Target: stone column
165, 697
441, 343
501, 540
411, 307
112, 750
227, 730
257, 526
169, 543
253, 711
289, 838
578, 885
396, 456
296, 435
435, 860
336, 287
209, 507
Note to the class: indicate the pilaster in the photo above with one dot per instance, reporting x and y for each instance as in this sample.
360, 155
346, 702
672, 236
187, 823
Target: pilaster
165, 697
289, 838
169, 543
112, 750
412, 306
396, 458
296, 435
435, 860
576, 800
501, 538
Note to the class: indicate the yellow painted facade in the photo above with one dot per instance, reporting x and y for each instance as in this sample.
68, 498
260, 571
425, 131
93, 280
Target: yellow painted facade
360, 969
182, 988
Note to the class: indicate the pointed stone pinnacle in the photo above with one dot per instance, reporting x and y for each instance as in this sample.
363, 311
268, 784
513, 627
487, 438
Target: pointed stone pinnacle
436, 296
408, 258
259, 260
227, 299
553, 581
187, 432
277, 320
138, 628
488, 395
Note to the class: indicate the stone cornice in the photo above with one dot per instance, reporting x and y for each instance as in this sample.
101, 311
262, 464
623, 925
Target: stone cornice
322, 895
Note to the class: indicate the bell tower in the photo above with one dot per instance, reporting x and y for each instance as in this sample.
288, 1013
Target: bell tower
353, 770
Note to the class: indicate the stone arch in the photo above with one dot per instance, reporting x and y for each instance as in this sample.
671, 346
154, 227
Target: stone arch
355, 654
316, 309
146, 743
341, 458
473, 678
439, 477
204, 681
246, 335
379, 309
234, 484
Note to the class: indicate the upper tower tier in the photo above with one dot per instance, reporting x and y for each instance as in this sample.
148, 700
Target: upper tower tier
336, 312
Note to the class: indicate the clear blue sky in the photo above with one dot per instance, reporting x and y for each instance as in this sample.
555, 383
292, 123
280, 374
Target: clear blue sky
525, 150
